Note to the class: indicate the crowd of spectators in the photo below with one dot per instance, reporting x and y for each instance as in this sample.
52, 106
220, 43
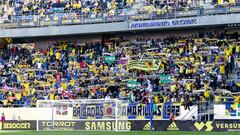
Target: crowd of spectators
100, 7
198, 69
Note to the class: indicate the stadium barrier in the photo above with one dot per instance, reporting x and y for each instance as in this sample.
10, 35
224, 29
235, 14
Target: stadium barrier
133, 111
72, 18
95, 115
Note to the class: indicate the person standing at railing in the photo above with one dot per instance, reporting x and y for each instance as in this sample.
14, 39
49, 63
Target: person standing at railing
218, 98
172, 117
10, 13
3, 118
187, 102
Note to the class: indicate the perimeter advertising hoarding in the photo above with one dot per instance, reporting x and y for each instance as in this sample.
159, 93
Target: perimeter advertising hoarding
140, 125
127, 125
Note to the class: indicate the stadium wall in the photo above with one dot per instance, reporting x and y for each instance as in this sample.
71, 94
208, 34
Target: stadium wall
122, 26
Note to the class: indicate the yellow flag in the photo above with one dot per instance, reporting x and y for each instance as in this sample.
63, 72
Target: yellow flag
220, 2
232, 1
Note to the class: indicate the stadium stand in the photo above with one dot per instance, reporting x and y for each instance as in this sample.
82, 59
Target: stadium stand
120, 65
174, 69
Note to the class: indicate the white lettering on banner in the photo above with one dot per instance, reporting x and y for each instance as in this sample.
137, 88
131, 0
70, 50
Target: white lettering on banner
59, 124
16, 125
163, 23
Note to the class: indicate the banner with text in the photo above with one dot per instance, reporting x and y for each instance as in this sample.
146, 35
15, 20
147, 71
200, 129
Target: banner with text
163, 23
127, 111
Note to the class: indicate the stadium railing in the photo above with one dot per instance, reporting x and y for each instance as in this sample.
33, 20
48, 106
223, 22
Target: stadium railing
122, 15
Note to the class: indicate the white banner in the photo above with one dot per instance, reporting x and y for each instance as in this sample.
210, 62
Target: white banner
227, 111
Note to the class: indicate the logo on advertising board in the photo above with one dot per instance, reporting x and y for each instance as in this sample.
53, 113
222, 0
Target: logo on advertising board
173, 127
200, 126
229, 125
107, 125
59, 125
19, 125
62, 110
148, 126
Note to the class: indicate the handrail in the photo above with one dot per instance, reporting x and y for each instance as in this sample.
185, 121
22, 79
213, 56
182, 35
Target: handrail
74, 18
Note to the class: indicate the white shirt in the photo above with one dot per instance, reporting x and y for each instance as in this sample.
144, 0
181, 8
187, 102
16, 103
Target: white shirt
194, 49
39, 65
219, 78
107, 97
229, 59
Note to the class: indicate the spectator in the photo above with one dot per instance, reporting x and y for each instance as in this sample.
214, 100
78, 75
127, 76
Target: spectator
67, 70
172, 117
3, 119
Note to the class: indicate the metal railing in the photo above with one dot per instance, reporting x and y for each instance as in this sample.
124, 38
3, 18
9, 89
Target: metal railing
205, 111
76, 18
